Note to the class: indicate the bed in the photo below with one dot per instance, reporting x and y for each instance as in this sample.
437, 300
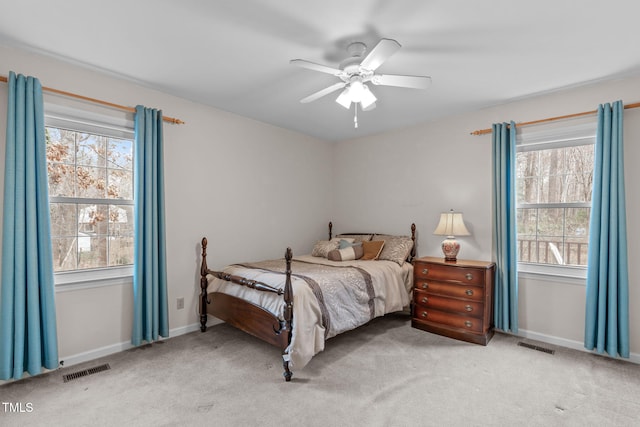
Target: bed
296, 304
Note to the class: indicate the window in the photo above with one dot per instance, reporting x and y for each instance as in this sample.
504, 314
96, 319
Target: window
554, 175
90, 172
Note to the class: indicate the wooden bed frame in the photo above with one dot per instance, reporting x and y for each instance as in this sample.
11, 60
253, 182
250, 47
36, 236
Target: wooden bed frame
250, 317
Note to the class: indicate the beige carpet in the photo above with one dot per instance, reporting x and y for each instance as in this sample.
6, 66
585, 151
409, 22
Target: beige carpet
382, 374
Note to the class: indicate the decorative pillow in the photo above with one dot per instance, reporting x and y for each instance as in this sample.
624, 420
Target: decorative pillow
372, 249
346, 254
345, 243
396, 248
356, 237
323, 247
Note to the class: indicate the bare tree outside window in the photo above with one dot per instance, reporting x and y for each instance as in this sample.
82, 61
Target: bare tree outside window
554, 198
91, 199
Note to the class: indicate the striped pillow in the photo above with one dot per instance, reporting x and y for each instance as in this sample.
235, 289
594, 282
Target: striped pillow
346, 254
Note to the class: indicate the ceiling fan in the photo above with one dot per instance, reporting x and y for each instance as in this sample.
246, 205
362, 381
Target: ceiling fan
357, 70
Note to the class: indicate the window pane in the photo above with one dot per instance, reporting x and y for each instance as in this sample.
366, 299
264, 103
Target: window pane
92, 251
120, 184
60, 162
576, 251
92, 219
120, 154
91, 182
64, 253
526, 241
121, 250
577, 232
60, 145
580, 162
551, 223
120, 220
553, 235
64, 221
91, 150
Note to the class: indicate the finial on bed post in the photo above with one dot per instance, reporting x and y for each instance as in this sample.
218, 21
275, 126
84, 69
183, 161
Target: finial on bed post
288, 312
203, 287
330, 230
413, 238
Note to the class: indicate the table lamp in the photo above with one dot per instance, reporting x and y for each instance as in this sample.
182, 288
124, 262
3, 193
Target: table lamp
451, 224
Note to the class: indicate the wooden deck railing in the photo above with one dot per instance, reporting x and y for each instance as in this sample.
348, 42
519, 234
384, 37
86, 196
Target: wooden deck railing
552, 252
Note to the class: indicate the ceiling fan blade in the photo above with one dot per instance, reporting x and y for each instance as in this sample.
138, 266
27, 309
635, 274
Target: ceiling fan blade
380, 53
323, 92
316, 67
413, 82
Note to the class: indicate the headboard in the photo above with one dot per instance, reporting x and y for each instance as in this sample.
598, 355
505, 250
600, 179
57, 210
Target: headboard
411, 256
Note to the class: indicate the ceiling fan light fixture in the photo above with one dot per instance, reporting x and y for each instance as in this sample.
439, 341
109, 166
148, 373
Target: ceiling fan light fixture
344, 99
367, 98
356, 90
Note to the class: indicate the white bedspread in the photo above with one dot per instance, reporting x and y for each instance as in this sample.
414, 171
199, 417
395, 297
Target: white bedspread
371, 289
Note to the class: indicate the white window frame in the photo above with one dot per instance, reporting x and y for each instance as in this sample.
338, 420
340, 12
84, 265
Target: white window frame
574, 132
117, 126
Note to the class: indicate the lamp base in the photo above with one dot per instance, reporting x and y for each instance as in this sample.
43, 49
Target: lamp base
450, 248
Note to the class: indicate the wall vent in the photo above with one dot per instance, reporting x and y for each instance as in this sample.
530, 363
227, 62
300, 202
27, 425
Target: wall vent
536, 347
79, 374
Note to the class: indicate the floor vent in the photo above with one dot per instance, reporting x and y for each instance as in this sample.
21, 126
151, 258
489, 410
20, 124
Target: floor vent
536, 347
75, 375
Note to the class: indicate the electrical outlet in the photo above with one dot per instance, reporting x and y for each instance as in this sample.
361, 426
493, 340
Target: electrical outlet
180, 303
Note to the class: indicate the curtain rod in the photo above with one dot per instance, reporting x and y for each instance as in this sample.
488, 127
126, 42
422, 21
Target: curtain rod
551, 119
98, 101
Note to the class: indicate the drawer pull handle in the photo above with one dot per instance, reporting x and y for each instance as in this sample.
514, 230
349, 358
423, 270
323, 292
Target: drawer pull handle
425, 285
469, 276
425, 271
468, 324
425, 299
424, 314
468, 307
469, 292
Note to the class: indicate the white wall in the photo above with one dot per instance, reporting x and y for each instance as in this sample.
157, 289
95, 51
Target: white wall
389, 180
251, 188
218, 163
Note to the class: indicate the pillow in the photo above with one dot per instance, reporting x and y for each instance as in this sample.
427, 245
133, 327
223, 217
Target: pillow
323, 247
345, 243
346, 254
396, 248
356, 237
372, 249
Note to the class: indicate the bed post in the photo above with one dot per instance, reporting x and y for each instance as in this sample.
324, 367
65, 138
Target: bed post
203, 287
413, 237
330, 230
288, 312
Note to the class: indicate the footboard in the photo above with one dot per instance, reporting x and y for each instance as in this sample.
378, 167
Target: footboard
247, 316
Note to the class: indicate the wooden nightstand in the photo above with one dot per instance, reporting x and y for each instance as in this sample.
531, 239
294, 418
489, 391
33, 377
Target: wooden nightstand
454, 299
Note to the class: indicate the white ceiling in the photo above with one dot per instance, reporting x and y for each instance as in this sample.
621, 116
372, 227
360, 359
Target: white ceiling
234, 54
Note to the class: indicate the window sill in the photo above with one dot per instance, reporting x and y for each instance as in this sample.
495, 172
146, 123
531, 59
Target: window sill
555, 273
85, 279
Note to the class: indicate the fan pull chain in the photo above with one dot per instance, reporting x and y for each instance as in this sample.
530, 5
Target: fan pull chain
355, 117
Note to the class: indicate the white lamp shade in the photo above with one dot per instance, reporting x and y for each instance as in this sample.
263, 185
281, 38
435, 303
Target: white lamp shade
344, 99
356, 92
367, 97
451, 224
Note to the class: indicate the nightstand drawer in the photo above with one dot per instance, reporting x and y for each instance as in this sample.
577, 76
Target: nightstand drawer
470, 276
457, 290
449, 319
430, 301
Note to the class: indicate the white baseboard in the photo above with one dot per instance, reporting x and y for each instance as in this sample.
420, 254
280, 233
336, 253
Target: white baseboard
118, 347
575, 345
